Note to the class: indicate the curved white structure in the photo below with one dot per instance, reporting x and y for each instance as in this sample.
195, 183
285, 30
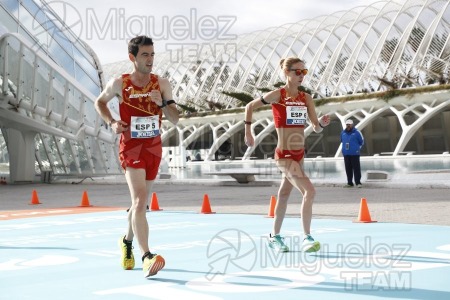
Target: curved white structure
394, 44
348, 52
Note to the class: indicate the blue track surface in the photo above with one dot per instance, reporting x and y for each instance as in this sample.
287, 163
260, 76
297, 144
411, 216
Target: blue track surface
222, 256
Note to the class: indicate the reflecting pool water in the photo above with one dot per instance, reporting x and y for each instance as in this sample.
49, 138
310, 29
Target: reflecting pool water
319, 168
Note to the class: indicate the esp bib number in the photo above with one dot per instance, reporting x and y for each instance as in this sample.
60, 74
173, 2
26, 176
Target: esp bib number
296, 115
144, 127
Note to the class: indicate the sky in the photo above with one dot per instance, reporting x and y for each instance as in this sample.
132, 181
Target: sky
106, 26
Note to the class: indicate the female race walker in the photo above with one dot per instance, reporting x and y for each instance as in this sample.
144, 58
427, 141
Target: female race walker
291, 108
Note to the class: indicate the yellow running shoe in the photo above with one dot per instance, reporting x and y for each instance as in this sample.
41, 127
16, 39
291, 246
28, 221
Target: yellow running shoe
127, 254
152, 264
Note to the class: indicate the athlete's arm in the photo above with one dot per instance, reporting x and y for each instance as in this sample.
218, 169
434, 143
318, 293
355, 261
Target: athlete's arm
113, 89
270, 97
170, 110
317, 124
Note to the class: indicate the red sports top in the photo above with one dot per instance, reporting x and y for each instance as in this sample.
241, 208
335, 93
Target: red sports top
136, 102
279, 109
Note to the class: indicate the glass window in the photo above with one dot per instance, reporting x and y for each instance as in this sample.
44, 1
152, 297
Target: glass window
37, 32
4, 156
85, 64
11, 6
24, 34
59, 36
30, 6
84, 52
33, 21
8, 22
26, 19
60, 56
86, 81
90, 114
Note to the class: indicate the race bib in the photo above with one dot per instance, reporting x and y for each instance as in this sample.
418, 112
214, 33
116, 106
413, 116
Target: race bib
144, 127
296, 115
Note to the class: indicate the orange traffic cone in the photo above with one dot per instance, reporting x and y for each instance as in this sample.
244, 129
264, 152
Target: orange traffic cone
364, 214
154, 206
206, 206
85, 200
34, 198
273, 202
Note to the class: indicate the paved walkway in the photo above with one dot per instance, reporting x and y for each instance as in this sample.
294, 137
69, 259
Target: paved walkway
400, 203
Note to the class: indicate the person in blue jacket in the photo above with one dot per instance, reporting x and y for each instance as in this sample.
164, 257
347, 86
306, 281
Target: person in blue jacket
352, 141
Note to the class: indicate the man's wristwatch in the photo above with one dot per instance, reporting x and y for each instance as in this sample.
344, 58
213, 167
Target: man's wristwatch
164, 104
111, 122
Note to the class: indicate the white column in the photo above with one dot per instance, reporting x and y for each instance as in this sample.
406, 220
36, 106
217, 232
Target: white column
21, 155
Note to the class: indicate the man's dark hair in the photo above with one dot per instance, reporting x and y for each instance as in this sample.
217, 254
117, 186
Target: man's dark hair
136, 42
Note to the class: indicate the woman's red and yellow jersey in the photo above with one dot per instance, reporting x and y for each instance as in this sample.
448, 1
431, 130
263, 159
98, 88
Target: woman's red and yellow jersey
290, 112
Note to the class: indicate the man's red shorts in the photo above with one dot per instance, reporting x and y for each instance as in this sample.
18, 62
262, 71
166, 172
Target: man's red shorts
142, 156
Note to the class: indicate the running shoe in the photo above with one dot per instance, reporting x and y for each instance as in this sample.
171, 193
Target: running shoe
152, 264
127, 254
277, 242
309, 244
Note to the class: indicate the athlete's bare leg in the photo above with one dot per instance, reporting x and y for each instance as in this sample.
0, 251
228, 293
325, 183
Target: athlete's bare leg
294, 173
137, 220
280, 208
